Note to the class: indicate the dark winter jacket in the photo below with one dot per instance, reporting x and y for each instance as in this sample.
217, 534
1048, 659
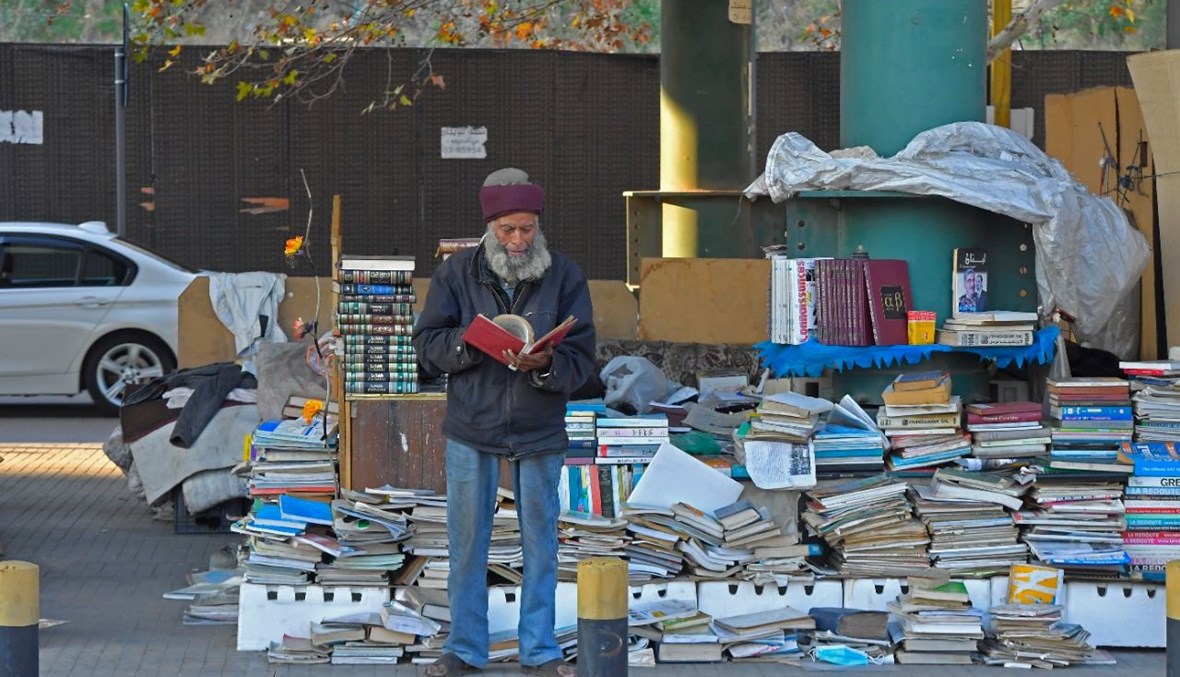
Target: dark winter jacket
489, 406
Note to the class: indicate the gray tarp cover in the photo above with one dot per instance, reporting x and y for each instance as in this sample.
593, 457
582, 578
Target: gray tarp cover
1089, 257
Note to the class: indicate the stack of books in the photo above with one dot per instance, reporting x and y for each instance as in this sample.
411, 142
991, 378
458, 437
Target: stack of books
292, 456
630, 439
843, 451
1033, 636
869, 527
938, 624
1156, 384
838, 627
375, 317
923, 421
684, 639
792, 299
787, 417
1007, 430
1074, 521
968, 537
404, 615
1000, 328
770, 554
1152, 503
1091, 418
581, 429
582, 535
704, 546
654, 535
762, 633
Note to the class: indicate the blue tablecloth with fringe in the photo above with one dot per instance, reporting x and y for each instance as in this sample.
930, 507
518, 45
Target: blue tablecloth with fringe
811, 358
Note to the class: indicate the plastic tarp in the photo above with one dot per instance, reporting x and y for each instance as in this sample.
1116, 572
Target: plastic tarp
1089, 257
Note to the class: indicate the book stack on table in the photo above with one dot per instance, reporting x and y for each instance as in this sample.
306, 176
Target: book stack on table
375, 317
1152, 503
938, 624
923, 421
1001, 328
1007, 430
869, 526
1090, 419
1156, 385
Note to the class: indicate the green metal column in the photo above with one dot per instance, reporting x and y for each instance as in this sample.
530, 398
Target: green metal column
909, 65
704, 128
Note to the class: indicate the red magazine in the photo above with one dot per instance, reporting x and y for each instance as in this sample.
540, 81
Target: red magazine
493, 338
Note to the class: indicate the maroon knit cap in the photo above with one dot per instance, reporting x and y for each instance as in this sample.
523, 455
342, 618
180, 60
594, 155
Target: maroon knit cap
500, 200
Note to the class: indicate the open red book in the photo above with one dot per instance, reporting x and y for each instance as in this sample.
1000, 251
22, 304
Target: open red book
512, 332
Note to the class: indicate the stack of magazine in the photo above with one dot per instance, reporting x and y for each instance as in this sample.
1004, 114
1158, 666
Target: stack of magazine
375, 317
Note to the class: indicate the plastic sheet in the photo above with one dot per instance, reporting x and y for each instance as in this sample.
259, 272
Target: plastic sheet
1089, 257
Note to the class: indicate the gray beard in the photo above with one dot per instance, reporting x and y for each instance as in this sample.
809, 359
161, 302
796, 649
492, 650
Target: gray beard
515, 269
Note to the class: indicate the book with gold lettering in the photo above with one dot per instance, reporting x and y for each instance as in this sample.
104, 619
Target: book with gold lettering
888, 285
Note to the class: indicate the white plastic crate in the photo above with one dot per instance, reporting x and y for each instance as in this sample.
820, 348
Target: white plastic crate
723, 598
267, 612
1119, 614
504, 601
873, 594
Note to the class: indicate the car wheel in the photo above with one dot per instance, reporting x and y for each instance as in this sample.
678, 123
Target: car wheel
121, 360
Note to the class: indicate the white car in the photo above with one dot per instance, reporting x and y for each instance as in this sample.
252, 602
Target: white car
82, 310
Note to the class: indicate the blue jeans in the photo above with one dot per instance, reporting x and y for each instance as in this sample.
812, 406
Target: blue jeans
472, 478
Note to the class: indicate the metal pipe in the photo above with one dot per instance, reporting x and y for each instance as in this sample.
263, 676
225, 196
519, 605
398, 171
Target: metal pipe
121, 72
1001, 67
704, 124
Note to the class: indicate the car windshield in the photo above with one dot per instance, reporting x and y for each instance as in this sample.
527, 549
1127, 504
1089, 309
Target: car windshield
155, 255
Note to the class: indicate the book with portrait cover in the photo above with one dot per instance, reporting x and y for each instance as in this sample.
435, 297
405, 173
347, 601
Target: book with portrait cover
512, 332
970, 280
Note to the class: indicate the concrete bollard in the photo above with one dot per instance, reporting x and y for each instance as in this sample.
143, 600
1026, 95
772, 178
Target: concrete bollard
602, 617
20, 613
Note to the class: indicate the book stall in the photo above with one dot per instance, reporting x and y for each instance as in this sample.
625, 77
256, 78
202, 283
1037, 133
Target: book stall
897, 464
763, 516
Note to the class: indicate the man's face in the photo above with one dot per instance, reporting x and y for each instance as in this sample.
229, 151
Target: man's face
515, 232
969, 280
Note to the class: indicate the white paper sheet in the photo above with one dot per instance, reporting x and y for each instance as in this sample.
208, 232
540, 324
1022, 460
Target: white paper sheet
780, 465
674, 476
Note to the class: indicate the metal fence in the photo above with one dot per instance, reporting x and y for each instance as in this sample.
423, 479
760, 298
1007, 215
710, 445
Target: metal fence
586, 126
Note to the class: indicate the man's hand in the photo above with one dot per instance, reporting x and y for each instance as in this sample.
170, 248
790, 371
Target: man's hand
532, 361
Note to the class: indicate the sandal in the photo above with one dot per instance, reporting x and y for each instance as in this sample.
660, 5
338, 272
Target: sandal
553, 668
449, 665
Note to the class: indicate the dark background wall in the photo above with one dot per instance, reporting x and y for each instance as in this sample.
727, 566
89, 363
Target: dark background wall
586, 126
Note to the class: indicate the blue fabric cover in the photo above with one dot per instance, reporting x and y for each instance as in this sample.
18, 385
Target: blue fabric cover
811, 358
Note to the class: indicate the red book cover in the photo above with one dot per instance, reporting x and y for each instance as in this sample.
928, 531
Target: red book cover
1004, 412
595, 492
887, 282
493, 339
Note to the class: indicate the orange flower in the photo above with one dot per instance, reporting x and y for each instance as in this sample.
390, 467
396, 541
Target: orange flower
293, 246
310, 409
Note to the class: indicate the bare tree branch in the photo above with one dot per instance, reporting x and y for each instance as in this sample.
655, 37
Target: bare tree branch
1018, 27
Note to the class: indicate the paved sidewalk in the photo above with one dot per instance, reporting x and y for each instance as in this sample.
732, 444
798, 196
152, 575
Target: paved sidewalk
105, 564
